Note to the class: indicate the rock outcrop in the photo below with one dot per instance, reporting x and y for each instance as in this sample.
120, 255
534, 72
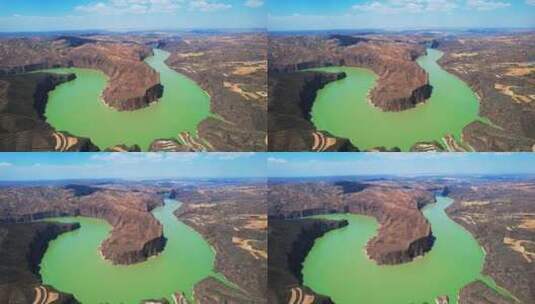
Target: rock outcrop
135, 235
433, 146
168, 145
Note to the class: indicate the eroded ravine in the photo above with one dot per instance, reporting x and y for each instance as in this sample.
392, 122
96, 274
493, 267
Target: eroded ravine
76, 107
338, 266
342, 108
73, 263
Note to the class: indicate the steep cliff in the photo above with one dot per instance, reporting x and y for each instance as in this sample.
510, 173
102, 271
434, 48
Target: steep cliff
23, 100
290, 101
22, 247
289, 243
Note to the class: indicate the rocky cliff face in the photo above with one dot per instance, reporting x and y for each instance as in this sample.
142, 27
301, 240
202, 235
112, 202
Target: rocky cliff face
131, 104
418, 95
22, 247
23, 101
291, 97
45, 86
135, 236
289, 243
40, 240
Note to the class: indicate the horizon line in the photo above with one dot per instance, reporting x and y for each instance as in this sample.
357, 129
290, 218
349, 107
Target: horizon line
268, 177
407, 28
119, 30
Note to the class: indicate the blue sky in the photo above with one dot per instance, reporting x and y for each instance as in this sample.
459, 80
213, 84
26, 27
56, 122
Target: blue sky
398, 14
39, 166
405, 164
49, 166
49, 15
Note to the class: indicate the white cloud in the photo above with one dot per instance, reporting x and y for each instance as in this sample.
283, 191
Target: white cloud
487, 5
422, 6
530, 2
254, 3
406, 6
118, 7
5, 164
275, 160
208, 6
142, 158
230, 155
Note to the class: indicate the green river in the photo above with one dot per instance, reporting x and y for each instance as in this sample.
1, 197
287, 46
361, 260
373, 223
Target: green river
337, 265
76, 107
343, 109
73, 264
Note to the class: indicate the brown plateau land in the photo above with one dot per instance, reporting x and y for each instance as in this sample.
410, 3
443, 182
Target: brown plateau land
233, 220
500, 69
232, 69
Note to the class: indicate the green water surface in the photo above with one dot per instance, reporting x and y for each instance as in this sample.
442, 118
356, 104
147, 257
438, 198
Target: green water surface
73, 263
76, 107
337, 265
343, 109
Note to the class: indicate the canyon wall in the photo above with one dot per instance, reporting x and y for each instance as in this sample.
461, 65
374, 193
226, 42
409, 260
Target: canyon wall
22, 247
404, 233
135, 236
401, 85
289, 243
23, 101
132, 83
290, 101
